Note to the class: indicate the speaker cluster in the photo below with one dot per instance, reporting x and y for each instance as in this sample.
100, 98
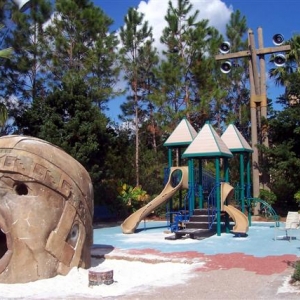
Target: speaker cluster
226, 65
279, 59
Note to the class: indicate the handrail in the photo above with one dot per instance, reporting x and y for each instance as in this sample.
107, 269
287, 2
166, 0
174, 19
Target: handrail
269, 209
211, 207
174, 225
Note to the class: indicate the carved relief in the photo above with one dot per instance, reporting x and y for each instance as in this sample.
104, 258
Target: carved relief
46, 210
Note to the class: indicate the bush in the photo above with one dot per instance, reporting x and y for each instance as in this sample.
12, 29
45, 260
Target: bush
268, 196
296, 275
133, 197
297, 197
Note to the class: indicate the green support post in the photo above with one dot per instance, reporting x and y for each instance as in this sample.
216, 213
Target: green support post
218, 196
170, 157
248, 187
242, 183
226, 170
170, 165
200, 190
180, 191
191, 187
226, 173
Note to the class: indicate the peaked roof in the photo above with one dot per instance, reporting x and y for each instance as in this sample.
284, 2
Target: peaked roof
207, 143
234, 140
182, 135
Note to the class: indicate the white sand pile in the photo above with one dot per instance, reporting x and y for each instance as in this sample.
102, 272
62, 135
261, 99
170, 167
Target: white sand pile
129, 277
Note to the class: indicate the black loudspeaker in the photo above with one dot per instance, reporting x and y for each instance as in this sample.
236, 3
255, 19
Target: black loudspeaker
278, 39
279, 60
224, 47
226, 67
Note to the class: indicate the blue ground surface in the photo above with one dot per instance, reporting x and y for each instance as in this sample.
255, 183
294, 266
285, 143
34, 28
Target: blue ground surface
151, 235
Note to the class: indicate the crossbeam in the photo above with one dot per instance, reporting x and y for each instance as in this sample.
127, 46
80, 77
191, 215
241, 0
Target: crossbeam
246, 53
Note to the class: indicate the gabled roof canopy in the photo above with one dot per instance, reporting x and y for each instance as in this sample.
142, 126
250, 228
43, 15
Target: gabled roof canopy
182, 135
234, 140
207, 143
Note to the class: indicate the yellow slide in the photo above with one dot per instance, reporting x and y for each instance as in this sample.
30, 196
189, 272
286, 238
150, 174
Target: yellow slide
239, 218
131, 223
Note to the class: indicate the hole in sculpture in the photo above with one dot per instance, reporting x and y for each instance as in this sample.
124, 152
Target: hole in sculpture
3, 245
21, 189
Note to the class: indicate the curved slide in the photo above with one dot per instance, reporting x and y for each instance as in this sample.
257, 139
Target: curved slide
131, 223
239, 218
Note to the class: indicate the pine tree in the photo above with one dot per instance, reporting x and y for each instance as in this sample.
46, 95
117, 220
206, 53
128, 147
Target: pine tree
69, 119
235, 106
23, 74
22, 77
79, 71
183, 85
81, 47
138, 58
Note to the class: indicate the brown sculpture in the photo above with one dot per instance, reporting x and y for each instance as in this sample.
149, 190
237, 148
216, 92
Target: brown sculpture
46, 210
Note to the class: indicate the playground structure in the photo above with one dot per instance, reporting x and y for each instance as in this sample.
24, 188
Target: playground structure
206, 144
178, 179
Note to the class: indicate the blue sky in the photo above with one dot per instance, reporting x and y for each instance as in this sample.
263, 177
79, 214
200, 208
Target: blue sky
273, 16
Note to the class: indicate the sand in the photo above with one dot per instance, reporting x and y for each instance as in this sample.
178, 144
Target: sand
136, 280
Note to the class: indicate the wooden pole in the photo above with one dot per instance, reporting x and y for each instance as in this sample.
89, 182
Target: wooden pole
258, 99
264, 102
264, 106
253, 112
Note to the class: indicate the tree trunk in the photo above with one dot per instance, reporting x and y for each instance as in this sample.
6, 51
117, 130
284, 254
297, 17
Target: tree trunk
137, 140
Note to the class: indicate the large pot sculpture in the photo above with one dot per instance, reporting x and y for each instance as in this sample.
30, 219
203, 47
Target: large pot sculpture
46, 210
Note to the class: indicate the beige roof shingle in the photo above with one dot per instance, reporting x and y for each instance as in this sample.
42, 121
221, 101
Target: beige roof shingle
234, 140
207, 143
182, 135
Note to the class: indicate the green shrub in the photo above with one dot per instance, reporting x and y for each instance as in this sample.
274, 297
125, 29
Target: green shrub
296, 275
267, 196
133, 197
297, 197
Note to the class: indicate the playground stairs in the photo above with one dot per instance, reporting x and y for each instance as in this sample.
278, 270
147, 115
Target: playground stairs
196, 228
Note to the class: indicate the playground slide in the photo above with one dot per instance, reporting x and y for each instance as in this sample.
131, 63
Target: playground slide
131, 223
240, 219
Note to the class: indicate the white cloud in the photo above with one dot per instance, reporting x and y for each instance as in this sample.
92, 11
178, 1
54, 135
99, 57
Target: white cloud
216, 11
